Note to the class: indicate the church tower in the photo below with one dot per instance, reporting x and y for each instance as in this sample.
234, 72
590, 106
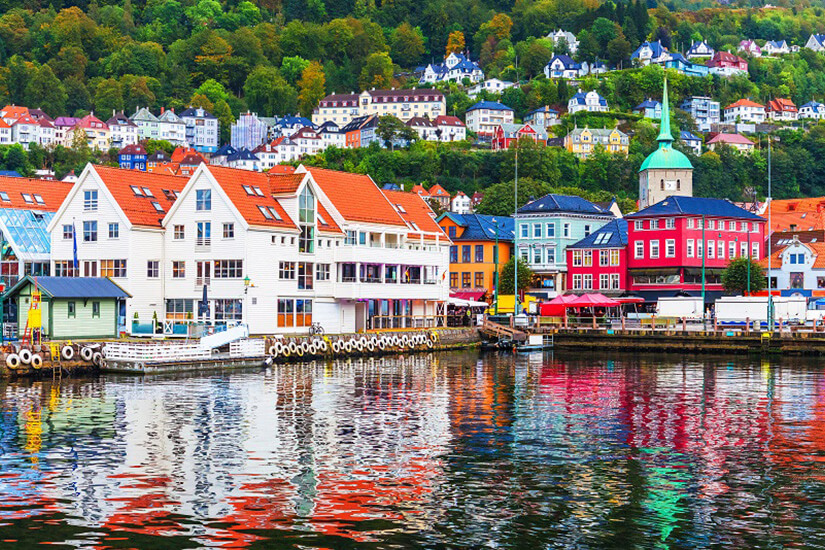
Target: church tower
665, 171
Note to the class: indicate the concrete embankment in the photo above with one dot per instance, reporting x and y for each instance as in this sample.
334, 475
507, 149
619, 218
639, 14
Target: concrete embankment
677, 341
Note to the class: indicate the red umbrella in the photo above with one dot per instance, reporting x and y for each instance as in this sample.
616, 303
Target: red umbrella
593, 300
557, 307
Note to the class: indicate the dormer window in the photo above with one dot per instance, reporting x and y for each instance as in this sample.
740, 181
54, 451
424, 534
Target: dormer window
27, 198
147, 192
136, 190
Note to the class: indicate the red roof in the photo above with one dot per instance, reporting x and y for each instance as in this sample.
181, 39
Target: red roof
181, 153
91, 121
419, 190
139, 209
447, 120
781, 105
284, 184
233, 180
745, 103
325, 222
737, 139
355, 196
25, 119
14, 111
51, 193
438, 191
282, 169
414, 211
135, 149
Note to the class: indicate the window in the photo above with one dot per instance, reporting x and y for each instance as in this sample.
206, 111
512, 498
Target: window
71, 309
639, 225
587, 281
536, 230
90, 231
96, 309
178, 269
305, 273
755, 252
537, 255
157, 206
615, 281
114, 230
588, 258
711, 224
551, 230
654, 224
465, 253
147, 192
587, 230
113, 268
286, 312
753, 227
654, 249
68, 232
228, 269
64, 268
670, 248
178, 308
711, 249
286, 271
743, 227
670, 223
743, 249
603, 281
306, 221
39, 199
699, 248
248, 190
349, 238
4, 196
453, 254
180, 233
720, 249
453, 279
551, 255
577, 258
691, 223
479, 253
525, 231
479, 280
732, 226
203, 200
577, 281
731, 250
451, 231
640, 250
465, 280
136, 190
152, 269
228, 309
89, 268
90, 201
204, 234
322, 272
362, 238
566, 230
614, 257
229, 231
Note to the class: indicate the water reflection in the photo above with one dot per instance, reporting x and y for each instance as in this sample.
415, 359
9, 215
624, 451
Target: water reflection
455, 450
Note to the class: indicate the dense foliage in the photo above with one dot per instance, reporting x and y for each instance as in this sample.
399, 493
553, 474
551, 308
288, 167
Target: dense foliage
735, 276
508, 275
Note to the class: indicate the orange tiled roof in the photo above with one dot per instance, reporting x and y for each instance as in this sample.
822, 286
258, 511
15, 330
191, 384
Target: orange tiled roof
286, 184
139, 209
233, 180
15, 111
325, 222
355, 196
776, 262
419, 189
781, 104
181, 154
818, 248
51, 192
438, 191
415, 210
745, 103
803, 214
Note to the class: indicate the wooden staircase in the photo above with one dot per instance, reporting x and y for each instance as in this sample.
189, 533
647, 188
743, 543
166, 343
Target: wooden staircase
497, 331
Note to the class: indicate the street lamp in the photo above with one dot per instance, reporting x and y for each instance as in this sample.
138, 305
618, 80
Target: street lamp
247, 282
498, 227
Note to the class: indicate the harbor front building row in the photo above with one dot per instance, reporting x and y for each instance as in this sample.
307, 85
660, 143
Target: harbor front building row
278, 252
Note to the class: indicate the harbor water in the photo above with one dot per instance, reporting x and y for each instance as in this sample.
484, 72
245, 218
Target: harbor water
448, 450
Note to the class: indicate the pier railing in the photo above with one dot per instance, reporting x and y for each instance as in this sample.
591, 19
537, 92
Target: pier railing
153, 352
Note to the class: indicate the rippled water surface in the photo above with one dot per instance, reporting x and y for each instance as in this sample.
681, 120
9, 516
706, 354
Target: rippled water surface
436, 451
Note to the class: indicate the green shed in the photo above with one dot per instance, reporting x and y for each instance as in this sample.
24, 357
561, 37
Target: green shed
71, 307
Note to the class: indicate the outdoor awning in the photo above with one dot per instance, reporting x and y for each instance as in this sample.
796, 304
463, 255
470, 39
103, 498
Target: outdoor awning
593, 300
465, 303
471, 295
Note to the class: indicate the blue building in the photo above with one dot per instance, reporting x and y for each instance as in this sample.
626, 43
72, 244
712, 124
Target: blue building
688, 68
691, 140
649, 108
132, 157
704, 111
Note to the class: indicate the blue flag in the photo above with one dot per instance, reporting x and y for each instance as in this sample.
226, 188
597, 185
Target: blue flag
74, 248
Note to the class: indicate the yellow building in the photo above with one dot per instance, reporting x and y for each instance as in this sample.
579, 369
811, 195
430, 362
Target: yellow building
582, 142
474, 255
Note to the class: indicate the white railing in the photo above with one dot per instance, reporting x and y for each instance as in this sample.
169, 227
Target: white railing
247, 348
124, 351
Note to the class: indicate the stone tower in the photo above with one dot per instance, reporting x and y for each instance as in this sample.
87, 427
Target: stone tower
665, 171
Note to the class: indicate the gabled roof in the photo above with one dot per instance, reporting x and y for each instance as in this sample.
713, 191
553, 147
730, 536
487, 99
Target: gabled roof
224, 151
814, 105
414, 211
438, 191
781, 105
91, 121
510, 130
647, 104
144, 114
241, 154
14, 111
233, 180
133, 149
419, 190
581, 98
169, 117
120, 119
74, 287
355, 196
684, 135
611, 235
566, 61
66, 121
490, 105
284, 184
192, 112
139, 209
181, 153
420, 121
737, 139
51, 193
562, 203
448, 120
695, 206
39, 115
745, 103
159, 156
543, 109
481, 227
655, 47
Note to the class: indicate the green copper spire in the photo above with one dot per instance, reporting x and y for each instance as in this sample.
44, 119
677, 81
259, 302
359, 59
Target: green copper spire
664, 130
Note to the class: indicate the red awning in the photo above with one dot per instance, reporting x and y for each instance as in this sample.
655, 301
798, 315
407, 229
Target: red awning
630, 300
557, 306
471, 295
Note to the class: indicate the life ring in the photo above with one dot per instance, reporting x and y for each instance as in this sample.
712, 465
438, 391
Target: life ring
37, 361
86, 353
25, 356
293, 347
67, 353
12, 361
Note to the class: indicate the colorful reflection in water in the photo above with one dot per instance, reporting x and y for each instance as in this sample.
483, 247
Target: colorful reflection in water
449, 450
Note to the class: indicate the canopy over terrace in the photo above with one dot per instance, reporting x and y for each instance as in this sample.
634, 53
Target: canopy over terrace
593, 300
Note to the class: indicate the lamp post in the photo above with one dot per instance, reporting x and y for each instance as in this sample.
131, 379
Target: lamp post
495, 259
770, 296
704, 255
516, 303
247, 282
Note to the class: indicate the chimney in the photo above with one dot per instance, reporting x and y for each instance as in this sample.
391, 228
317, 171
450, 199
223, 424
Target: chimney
162, 109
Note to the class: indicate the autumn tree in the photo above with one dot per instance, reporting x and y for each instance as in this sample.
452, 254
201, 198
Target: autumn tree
377, 71
311, 88
455, 42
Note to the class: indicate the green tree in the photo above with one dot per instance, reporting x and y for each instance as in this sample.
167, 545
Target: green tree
267, 93
222, 112
311, 88
506, 281
407, 45
735, 276
78, 96
108, 96
618, 50
391, 130
377, 71
46, 92
293, 67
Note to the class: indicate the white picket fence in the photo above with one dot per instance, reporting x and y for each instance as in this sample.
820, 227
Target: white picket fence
152, 352
247, 348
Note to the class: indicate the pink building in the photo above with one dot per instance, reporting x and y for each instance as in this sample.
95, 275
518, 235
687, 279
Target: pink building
598, 262
666, 244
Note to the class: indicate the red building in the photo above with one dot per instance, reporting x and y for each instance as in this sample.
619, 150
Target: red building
667, 242
599, 261
505, 135
727, 60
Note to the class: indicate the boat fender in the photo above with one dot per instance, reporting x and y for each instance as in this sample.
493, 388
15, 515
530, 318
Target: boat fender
371, 345
430, 344
434, 336
67, 353
305, 346
86, 353
336, 347
273, 351
293, 347
359, 345
97, 359
323, 346
25, 356
382, 343
37, 361
396, 341
12, 361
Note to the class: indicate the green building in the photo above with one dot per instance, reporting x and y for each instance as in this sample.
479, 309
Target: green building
71, 307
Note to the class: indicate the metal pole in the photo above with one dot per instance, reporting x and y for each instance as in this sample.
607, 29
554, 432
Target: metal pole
516, 303
704, 255
495, 275
749, 259
768, 232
